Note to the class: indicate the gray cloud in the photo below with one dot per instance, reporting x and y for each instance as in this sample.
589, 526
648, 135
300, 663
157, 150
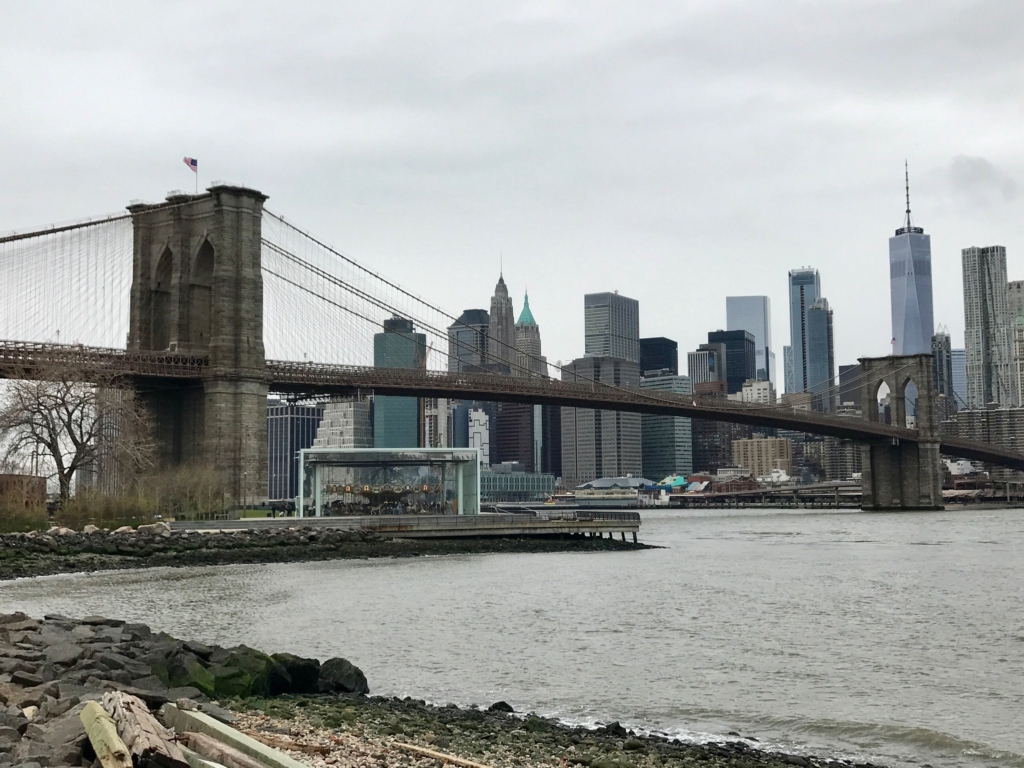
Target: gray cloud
978, 181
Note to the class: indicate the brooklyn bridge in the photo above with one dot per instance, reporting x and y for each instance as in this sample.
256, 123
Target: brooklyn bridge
207, 303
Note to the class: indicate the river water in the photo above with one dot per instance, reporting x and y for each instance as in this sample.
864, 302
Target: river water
895, 638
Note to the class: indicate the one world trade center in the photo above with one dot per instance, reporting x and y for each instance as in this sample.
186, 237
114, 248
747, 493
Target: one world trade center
910, 282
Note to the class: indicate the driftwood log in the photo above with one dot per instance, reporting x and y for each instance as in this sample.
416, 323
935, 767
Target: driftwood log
218, 752
280, 743
148, 741
102, 732
461, 761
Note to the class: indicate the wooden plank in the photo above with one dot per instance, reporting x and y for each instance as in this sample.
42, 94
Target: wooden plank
183, 721
102, 732
280, 743
149, 742
211, 749
439, 755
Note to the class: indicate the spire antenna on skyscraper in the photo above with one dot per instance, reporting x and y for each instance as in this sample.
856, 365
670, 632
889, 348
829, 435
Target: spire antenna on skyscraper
906, 179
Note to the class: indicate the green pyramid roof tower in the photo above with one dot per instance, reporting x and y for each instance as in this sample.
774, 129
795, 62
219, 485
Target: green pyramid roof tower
526, 316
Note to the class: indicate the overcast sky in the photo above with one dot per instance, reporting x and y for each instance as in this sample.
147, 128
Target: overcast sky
677, 151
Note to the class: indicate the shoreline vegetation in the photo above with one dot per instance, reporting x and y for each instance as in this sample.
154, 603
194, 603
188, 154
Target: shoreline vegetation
62, 550
319, 714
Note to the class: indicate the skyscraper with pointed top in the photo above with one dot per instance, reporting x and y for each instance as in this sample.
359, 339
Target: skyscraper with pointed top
910, 283
529, 360
502, 335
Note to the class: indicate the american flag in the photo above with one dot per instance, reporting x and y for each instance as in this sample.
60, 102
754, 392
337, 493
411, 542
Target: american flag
192, 163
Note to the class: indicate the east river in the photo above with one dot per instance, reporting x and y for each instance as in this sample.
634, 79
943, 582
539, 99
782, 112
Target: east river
896, 638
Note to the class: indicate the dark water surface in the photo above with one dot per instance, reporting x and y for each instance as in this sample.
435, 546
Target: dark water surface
893, 638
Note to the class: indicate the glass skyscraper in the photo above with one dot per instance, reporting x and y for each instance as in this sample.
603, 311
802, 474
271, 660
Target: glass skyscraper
397, 421
804, 290
611, 326
910, 288
991, 375
754, 314
821, 362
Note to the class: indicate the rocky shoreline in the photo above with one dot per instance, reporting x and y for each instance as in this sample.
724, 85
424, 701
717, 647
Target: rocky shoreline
322, 713
61, 550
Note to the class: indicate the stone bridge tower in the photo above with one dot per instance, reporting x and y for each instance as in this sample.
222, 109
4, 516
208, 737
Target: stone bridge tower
197, 288
901, 475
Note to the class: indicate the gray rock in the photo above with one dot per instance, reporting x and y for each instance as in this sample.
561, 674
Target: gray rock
304, 673
26, 679
101, 621
6, 732
501, 706
150, 683
185, 692
217, 713
342, 676
65, 654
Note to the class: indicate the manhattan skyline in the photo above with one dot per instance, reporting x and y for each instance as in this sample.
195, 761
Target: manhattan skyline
597, 149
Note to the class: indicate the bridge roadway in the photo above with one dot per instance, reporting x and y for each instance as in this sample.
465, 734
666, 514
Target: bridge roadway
304, 379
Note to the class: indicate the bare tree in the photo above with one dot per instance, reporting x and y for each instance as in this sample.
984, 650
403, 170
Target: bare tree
75, 425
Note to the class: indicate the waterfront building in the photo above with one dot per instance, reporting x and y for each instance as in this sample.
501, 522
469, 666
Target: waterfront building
611, 326
991, 375
959, 358
598, 443
467, 341
910, 287
707, 364
804, 290
666, 441
501, 334
712, 443
849, 385
344, 424
996, 425
820, 356
518, 435
290, 428
942, 352
762, 454
659, 354
397, 421
529, 359
740, 357
511, 482
754, 314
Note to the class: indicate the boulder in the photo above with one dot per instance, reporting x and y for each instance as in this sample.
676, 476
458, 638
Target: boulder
247, 672
342, 676
64, 653
154, 528
304, 673
186, 670
501, 706
90, 529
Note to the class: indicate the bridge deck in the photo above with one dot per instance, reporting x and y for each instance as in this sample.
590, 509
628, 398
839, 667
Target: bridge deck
27, 360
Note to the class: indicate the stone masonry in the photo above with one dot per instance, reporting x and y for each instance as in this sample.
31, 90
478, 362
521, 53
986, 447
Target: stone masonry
197, 288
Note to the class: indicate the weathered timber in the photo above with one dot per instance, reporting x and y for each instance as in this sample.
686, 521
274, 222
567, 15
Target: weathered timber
102, 732
211, 749
149, 742
280, 743
440, 755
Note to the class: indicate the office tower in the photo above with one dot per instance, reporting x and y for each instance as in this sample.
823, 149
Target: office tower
910, 287
290, 428
437, 422
397, 421
659, 354
712, 443
820, 365
762, 454
597, 443
529, 360
517, 435
467, 342
991, 377
740, 357
849, 385
666, 441
754, 314
479, 428
959, 358
708, 364
345, 424
612, 326
789, 385
501, 337
804, 290
942, 369
551, 440
757, 391
1015, 316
